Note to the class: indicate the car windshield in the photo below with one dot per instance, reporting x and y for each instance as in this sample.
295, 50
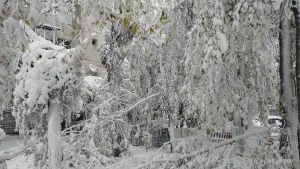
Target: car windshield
275, 121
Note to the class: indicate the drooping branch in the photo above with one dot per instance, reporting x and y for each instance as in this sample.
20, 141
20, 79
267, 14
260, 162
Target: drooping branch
122, 112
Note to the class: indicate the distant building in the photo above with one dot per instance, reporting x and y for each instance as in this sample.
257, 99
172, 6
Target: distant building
92, 56
67, 34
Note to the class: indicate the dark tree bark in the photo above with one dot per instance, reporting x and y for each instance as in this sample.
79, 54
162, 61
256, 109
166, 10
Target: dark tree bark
297, 24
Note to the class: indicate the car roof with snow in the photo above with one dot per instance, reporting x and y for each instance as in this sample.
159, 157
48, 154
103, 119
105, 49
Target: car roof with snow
274, 117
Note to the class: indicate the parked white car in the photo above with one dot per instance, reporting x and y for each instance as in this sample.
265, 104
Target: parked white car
275, 131
275, 120
271, 120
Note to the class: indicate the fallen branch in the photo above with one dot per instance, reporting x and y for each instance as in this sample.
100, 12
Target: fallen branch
104, 160
10, 156
120, 113
228, 141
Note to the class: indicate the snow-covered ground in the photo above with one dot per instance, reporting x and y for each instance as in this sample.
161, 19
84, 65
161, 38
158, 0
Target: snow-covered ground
138, 156
23, 161
26, 159
10, 141
10, 144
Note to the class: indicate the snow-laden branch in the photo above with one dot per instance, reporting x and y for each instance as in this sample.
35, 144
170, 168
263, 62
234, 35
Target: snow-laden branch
207, 149
103, 159
10, 156
121, 113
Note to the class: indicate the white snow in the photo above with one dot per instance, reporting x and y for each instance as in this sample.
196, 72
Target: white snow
23, 161
137, 154
40, 148
277, 4
3, 71
274, 117
44, 63
93, 68
93, 81
2, 134
11, 141
217, 21
10, 25
222, 42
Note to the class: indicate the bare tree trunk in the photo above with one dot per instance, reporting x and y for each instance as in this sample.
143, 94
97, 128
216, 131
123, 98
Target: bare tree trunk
287, 99
297, 24
54, 136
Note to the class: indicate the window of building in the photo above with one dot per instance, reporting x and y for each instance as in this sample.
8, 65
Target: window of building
94, 41
63, 42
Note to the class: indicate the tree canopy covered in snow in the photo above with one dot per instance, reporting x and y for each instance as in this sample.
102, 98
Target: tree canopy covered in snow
194, 63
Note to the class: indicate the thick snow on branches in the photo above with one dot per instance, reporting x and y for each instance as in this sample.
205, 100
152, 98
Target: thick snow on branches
200, 65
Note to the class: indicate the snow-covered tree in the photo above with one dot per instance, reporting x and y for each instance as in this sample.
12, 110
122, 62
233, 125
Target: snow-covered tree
210, 61
221, 83
230, 68
50, 74
48, 89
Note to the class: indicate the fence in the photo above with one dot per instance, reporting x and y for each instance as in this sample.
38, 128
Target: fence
8, 124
